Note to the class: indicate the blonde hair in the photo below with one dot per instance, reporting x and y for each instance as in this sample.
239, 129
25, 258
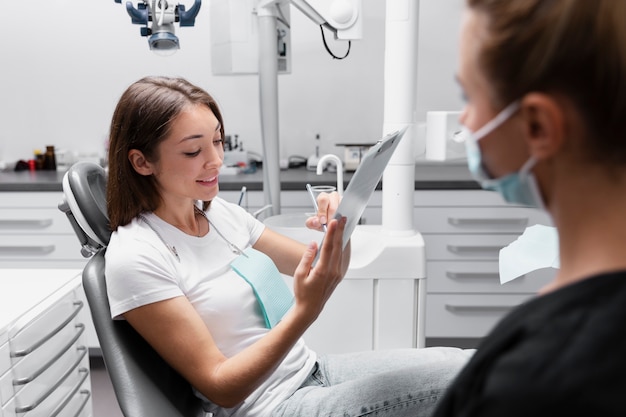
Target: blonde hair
576, 48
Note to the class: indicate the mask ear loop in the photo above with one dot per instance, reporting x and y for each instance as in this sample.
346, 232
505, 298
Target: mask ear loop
526, 175
494, 123
472, 139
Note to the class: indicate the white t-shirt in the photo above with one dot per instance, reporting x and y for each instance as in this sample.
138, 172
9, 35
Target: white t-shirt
141, 269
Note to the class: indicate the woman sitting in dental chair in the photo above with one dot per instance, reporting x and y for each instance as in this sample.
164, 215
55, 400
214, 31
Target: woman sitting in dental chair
199, 277
545, 82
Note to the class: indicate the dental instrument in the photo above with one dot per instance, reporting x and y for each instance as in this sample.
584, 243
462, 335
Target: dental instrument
162, 14
243, 193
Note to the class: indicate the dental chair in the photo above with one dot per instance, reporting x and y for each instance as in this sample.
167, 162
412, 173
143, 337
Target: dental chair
144, 384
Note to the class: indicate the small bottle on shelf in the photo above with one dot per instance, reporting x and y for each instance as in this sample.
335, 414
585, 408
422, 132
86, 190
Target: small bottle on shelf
49, 159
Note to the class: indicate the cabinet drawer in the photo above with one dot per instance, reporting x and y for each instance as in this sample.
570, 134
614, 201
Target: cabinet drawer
55, 387
35, 363
457, 198
5, 362
480, 277
39, 248
476, 219
467, 315
8, 410
466, 247
6, 388
37, 199
77, 404
29, 335
33, 221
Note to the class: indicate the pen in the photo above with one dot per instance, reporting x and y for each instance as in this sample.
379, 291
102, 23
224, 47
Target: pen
310, 190
243, 192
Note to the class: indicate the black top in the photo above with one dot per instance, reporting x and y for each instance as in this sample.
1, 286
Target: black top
561, 354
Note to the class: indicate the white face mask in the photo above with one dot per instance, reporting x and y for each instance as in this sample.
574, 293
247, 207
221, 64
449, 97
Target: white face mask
516, 188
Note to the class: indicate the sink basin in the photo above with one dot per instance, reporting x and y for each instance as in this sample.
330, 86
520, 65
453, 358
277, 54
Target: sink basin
293, 225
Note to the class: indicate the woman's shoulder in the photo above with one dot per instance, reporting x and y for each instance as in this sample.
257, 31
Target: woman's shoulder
136, 231
133, 241
574, 334
225, 209
218, 203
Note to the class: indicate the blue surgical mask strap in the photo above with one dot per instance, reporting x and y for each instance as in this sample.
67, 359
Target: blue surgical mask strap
526, 169
519, 187
527, 176
494, 123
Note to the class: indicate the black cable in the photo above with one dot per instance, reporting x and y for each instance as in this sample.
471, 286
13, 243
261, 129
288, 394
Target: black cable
328, 49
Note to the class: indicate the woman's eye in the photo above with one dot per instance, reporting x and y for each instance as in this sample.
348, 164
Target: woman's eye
192, 154
218, 142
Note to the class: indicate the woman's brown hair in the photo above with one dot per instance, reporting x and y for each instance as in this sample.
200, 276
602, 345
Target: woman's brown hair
142, 120
576, 48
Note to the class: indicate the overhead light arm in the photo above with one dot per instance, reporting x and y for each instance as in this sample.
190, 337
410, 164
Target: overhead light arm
342, 17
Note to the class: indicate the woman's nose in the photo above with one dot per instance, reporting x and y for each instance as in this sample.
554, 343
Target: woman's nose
214, 158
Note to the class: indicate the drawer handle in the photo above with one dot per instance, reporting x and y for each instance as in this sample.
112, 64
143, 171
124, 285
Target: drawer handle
26, 250
465, 250
51, 361
504, 221
56, 385
25, 224
479, 309
26, 351
472, 275
87, 395
71, 394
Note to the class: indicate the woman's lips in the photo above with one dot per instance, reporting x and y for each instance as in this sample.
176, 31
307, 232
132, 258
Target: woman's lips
209, 181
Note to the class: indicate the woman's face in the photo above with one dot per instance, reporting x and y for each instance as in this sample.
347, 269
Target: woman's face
504, 150
189, 159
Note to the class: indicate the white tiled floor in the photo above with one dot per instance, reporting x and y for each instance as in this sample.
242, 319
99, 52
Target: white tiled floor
104, 402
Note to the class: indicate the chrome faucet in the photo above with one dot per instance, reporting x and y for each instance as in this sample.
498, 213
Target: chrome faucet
338, 163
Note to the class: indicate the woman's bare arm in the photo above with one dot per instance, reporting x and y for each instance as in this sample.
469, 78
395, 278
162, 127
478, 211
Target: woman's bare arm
176, 331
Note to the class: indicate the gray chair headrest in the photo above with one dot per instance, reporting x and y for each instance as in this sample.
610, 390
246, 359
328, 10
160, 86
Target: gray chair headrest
84, 190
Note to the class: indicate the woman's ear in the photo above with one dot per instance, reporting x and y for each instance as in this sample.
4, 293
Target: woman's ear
139, 162
544, 119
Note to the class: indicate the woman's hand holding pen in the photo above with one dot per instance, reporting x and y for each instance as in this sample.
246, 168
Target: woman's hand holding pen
313, 285
325, 206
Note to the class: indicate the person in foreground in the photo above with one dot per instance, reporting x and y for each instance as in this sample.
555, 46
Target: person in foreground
545, 84
192, 272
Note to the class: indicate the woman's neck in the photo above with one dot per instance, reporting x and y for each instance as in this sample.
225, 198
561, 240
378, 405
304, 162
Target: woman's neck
590, 215
187, 218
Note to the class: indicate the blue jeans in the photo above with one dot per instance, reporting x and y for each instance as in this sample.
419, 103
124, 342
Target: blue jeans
403, 382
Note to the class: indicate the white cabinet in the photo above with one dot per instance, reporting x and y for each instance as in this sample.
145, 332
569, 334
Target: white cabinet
371, 311
44, 362
35, 233
464, 232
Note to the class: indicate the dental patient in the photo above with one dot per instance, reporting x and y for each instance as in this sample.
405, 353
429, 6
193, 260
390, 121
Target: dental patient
200, 278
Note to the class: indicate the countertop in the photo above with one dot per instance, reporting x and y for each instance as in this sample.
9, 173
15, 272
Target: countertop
23, 289
428, 176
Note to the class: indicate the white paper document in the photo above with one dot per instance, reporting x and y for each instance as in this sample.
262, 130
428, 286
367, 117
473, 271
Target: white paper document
536, 248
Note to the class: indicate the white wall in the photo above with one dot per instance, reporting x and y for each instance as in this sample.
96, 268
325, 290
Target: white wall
65, 64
